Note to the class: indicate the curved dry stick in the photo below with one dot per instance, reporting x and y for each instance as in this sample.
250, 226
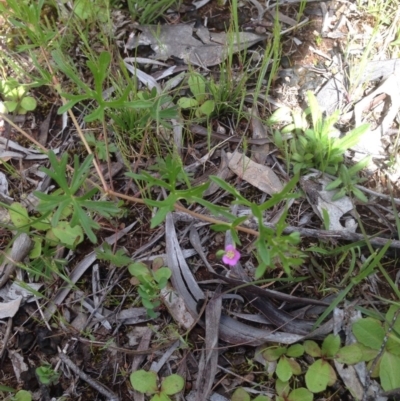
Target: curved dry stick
20, 249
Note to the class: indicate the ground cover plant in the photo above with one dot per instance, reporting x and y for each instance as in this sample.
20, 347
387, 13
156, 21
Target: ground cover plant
198, 215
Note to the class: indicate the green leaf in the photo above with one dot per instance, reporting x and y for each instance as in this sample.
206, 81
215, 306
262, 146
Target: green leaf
284, 369
273, 353
19, 215
318, 376
187, 102
207, 107
334, 184
164, 273
22, 395
8, 389
312, 348
369, 332
359, 195
28, 103
294, 351
36, 251
349, 354
300, 394
144, 382
389, 371
160, 397
197, 85
262, 398
294, 366
279, 116
240, 394
368, 354
68, 235
138, 269
172, 384
11, 105
330, 345
282, 388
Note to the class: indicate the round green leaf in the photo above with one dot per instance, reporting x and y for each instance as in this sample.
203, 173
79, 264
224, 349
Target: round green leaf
138, 269
172, 384
162, 273
18, 215
68, 235
240, 394
283, 369
318, 376
262, 398
294, 351
28, 103
312, 348
144, 382
368, 354
11, 105
330, 345
369, 332
36, 251
282, 388
187, 102
22, 395
295, 366
207, 107
350, 354
389, 371
300, 394
273, 353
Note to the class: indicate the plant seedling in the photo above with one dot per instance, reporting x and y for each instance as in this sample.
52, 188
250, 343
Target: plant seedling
146, 383
15, 98
47, 375
197, 85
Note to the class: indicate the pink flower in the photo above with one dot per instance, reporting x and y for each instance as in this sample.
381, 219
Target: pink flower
231, 256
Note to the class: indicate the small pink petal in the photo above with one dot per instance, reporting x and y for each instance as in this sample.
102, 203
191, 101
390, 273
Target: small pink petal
231, 256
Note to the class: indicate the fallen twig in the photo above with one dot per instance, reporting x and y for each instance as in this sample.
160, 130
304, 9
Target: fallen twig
101, 388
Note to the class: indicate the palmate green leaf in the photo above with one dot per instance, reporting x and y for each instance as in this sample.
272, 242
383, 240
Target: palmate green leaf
60, 170
81, 172
389, 371
80, 217
160, 216
97, 114
369, 332
104, 208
